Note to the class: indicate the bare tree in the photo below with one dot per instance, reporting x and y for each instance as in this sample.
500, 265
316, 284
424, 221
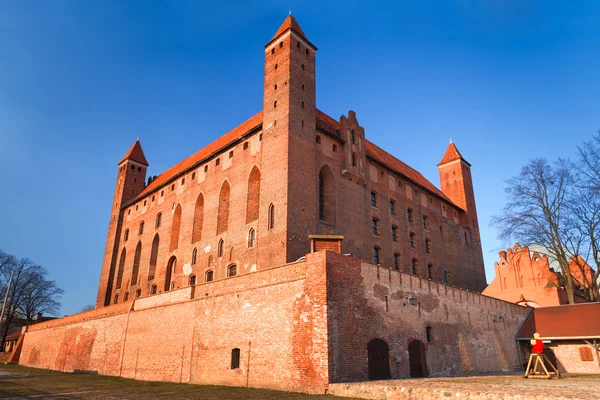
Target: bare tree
537, 212
40, 296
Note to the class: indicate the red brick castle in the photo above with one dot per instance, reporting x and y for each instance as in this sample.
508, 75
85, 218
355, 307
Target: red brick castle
252, 198
226, 268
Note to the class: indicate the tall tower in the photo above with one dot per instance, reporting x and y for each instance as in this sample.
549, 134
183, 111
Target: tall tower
131, 179
289, 123
457, 184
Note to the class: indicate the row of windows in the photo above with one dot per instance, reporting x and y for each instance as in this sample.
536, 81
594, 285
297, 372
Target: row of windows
414, 264
409, 211
412, 236
298, 48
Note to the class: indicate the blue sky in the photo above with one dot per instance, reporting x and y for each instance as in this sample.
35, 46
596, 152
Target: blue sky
80, 80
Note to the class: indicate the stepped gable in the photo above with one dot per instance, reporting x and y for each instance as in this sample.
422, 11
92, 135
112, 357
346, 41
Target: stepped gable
202, 154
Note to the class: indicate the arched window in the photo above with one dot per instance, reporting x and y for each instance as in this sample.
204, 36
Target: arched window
153, 289
415, 266
141, 227
192, 280
170, 273
353, 137
175, 228
251, 238
116, 298
271, 217
194, 256
231, 253
153, 258
220, 248
158, 219
428, 246
253, 199
412, 238
121, 268
126, 296
326, 195
208, 277
126, 235
136, 264
223, 213
198, 219
354, 159
232, 270
138, 293
210, 260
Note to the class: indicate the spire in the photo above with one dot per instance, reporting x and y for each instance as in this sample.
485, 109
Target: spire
289, 23
452, 154
136, 154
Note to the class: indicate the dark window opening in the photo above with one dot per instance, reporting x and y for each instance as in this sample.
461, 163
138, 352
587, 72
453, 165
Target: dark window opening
232, 270
246, 146
376, 251
153, 289
192, 280
396, 261
412, 240
374, 199
392, 207
318, 139
218, 161
409, 215
430, 271
208, 277
375, 226
394, 233
415, 266
235, 358
428, 334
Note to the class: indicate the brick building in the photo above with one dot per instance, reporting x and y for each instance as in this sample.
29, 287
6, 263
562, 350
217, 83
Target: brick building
225, 269
250, 199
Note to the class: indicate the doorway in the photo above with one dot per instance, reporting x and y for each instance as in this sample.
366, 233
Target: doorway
378, 359
416, 359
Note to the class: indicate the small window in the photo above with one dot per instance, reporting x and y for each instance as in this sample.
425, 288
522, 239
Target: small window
194, 256
428, 334
172, 187
275, 87
303, 123
375, 226
218, 161
353, 137
318, 139
396, 261
220, 248
116, 299
298, 45
192, 280
271, 217
153, 289
374, 199
260, 137
275, 66
302, 67
183, 181
251, 238
246, 146
376, 251
415, 266
162, 193
395, 233
208, 277
158, 219
306, 51
126, 296
303, 104
275, 104
392, 207
446, 279
206, 168
354, 159
172, 285
153, 199
273, 50
425, 222
231, 154
412, 240
144, 203
409, 215
193, 175
280, 45
430, 271
303, 88
235, 358
136, 207
428, 246
138, 293
141, 227
126, 236
335, 148
129, 212
232, 270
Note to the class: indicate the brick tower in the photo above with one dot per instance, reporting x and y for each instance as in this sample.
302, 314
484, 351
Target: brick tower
130, 183
289, 114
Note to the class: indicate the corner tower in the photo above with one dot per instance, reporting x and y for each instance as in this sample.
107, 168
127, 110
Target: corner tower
131, 179
289, 123
457, 184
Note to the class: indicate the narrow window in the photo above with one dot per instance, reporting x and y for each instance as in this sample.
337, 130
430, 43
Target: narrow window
354, 159
194, 256
303, 104
232, 270
302, 67
136, 264
138, 293
251, 238
298, 45
223, 213
158, 219
141, 227
206, 168
246, 146
183, 181
303, 88
198, 219
466, 241
275, 66
376, 255
430, 271
162, 193
144, 203
126, 296
396, 261
392, 207
273, 50
126, 236
193, 175
353, 137
208, 277
275, 87
375, 226
172, 187
412, 240
271, 217
121, 268
335, 148
175, 227
318, 139
192, 280
275, 104
253, 197
235, 358
218, 161
231, 154
415, 266
395, 233
220, 248
153, 257
374, 199
306, 51
428, 334
425, 222
153, 289
280, 45
409, 215
116, 298
446, 277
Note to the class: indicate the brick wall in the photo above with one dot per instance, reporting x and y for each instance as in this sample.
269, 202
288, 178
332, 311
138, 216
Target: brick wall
569, 356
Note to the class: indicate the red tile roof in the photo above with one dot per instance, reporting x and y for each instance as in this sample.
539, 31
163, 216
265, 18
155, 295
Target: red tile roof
196, 158
289, 23
136, 154
572, 321
452, 154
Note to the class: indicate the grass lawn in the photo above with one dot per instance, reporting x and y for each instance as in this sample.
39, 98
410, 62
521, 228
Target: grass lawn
18, 382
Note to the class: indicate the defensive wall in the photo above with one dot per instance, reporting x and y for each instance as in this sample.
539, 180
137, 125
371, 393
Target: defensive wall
298, 327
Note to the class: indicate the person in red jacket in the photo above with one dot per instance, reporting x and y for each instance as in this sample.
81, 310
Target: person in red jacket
537, 346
